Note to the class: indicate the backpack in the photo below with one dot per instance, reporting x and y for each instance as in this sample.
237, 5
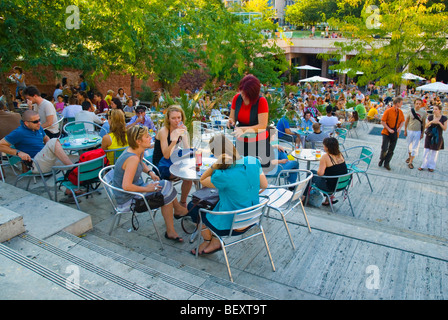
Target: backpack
72, 175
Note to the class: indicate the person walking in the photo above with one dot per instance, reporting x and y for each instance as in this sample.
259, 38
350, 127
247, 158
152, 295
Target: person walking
392, 121
437, 123
414, 129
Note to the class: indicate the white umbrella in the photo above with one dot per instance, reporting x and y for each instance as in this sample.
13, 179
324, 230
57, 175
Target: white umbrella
411, 76
307, 67
316, 79
435, 86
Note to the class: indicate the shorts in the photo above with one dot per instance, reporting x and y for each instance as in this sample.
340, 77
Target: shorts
46, 158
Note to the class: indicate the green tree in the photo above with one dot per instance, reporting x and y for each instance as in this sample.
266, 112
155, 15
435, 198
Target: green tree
390, 37
310, 12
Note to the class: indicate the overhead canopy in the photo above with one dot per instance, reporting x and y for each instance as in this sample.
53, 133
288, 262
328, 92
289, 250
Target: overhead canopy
316, 79
411, 76
307, 67
435, 86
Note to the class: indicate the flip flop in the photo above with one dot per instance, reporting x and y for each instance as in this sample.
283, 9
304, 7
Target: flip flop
420, 169
411, 166
177, 239
408, 159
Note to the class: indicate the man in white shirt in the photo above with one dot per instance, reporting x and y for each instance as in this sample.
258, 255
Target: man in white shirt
360, 96
329, 119
46, 110
72, 109
87, 114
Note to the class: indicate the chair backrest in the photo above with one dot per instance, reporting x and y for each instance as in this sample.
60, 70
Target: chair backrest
243, 218
80, 127
290, 193
341, 134
343, 182
355, 124
366, 155
116, 153
360, 156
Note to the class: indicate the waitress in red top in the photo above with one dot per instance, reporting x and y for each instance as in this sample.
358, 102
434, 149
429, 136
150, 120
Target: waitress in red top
249, 115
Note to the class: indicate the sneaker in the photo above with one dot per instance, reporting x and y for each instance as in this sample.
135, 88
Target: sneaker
380, 163
387, 167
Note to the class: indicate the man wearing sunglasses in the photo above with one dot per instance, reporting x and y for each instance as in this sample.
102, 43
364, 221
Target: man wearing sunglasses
142, 119
31, 143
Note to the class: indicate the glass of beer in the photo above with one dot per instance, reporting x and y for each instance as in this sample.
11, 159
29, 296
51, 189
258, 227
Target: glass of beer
318, 154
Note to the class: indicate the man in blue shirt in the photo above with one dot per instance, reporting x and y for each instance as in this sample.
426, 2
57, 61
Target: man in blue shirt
141, 118
32, 144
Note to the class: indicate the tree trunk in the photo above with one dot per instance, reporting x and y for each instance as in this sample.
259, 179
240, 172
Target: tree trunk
6, 91
133, 87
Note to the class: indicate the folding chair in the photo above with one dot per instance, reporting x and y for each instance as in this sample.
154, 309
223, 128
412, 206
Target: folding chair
360, 158
246, 219
342, 186
284, 198
106, 176
87, 177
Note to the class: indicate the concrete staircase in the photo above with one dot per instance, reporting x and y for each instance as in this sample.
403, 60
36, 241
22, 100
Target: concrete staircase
43, 257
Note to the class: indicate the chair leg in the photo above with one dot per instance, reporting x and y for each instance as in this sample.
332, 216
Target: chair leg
368, 180
227, 261
350, 203
115, 222
304, 215
155, 228
331, 203
267, 248
287, 230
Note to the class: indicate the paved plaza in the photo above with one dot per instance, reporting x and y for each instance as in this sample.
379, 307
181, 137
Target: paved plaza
394, 247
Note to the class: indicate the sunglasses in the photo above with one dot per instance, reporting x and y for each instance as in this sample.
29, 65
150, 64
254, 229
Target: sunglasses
138, 131
35, 121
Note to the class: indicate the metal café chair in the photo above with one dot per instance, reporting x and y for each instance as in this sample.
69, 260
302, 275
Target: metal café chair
87, 177
342, 187
244, 219
286, 197
106, 176
359, 159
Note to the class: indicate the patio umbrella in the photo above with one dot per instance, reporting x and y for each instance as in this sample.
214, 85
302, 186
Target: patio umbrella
307, 67
316, 79
435, 86
411, 76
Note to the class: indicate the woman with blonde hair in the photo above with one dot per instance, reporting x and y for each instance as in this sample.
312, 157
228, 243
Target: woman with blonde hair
116, 138
238, 180
128, 176
169, 138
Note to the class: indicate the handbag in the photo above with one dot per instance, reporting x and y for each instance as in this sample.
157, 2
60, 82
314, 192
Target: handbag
205, 198
155, 200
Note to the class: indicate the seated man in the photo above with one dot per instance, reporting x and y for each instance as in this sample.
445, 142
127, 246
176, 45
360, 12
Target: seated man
329, 120
372, 115
87, 114
316, 136
72, 109
46, 110
32, 144
141, 118
361, 109
284, 130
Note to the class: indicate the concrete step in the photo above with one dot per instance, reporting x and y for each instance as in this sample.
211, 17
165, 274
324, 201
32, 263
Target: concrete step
104, 274
41, 217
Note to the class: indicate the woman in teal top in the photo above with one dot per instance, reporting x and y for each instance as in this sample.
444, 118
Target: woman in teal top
238, 180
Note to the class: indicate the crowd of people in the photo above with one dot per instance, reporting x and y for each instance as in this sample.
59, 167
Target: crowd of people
248, 159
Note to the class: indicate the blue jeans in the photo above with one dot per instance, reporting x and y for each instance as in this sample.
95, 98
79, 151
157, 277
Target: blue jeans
288, 166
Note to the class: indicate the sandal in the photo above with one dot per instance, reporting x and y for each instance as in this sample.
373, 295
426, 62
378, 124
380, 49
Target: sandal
420, 169
193, 252
408, 159
431, 170
411, 166
177, 239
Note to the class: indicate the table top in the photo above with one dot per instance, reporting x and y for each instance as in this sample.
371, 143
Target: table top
301, 131
307, 155
80, 142
185, 169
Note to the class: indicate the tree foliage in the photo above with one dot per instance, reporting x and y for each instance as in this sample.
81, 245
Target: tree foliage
391, 37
